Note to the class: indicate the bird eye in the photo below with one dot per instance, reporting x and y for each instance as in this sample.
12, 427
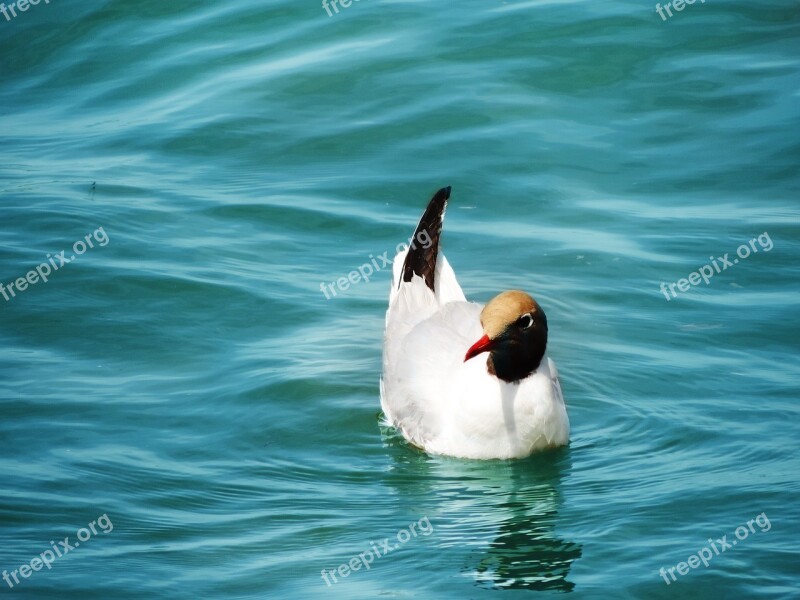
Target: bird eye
525, 321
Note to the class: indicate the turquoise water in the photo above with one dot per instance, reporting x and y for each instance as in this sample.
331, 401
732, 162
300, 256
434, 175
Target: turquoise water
185, 386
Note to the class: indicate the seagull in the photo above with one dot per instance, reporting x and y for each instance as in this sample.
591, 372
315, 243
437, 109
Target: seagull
461, 379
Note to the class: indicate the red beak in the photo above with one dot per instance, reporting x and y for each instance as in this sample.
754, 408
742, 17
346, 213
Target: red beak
482, 345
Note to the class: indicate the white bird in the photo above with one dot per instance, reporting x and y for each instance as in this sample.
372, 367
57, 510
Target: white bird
438, 388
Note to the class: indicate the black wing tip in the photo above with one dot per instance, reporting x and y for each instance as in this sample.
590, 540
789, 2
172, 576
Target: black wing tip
421, 261
434, 212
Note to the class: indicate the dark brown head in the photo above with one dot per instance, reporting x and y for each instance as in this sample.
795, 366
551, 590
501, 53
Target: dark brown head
516, 336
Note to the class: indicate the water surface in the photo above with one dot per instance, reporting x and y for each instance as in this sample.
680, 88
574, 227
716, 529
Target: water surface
189, 379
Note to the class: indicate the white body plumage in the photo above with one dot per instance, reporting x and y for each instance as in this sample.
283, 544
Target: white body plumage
446, 405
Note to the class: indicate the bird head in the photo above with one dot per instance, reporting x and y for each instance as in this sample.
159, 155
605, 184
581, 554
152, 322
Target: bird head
515, 329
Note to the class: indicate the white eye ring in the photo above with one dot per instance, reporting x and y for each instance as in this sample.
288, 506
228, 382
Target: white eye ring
525, 321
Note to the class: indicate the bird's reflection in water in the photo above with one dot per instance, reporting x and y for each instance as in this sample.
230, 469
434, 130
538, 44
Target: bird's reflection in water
500, 517
527, 553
